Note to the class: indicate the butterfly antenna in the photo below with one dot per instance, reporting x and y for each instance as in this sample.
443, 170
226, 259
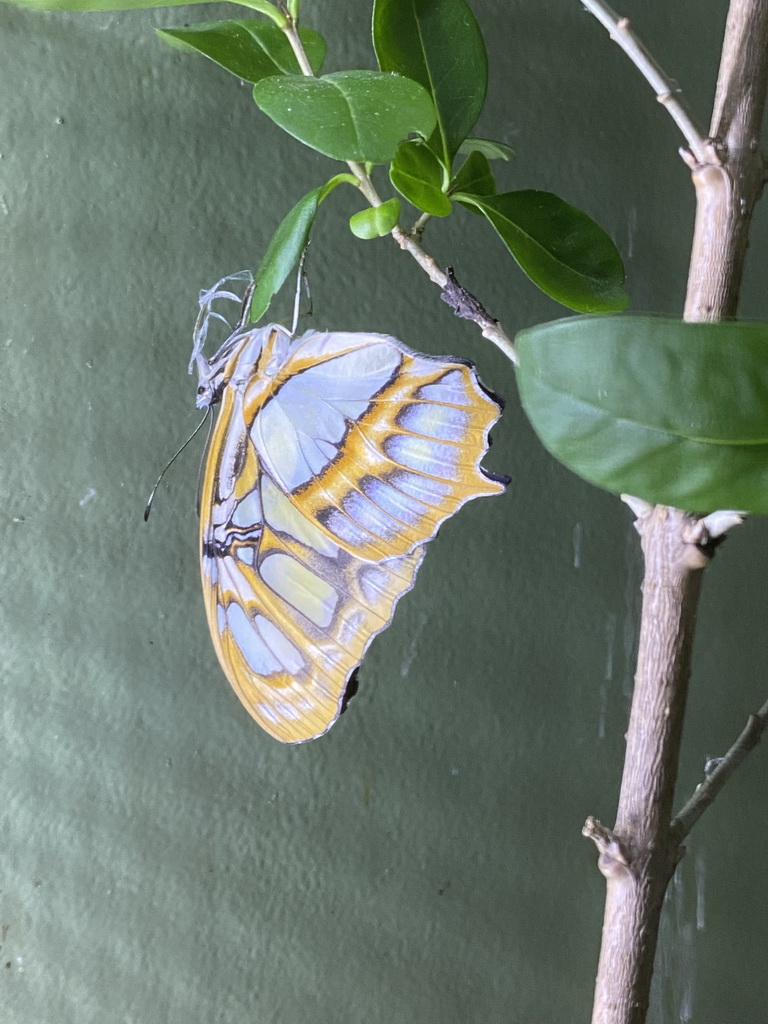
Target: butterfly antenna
151, 498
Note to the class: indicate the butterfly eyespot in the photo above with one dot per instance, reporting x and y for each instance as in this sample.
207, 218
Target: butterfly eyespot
334, 459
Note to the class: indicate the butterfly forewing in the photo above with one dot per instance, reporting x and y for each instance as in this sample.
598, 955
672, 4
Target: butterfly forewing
335, 457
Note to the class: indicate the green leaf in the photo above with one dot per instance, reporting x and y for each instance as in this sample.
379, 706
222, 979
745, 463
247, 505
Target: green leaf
671, 412
474, 178
417, 175
490, 149
437, 43
349, 115
287, 244
560, 248
248, 48
376, 221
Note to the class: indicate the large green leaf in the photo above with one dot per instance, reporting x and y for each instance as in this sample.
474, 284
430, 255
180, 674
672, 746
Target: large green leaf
349, 115
287, 244
671, 412
248, 48
560, 248
417, 175
437, 43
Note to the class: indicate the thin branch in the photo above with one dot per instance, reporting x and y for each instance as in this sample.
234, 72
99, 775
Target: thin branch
668, 92
417, 230
489, 327
706, 792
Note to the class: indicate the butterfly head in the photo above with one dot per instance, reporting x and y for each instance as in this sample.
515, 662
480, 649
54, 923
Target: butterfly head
208, 390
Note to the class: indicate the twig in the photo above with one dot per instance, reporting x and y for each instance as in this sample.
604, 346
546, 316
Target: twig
706, 792
668, 92
410, 243
417, 230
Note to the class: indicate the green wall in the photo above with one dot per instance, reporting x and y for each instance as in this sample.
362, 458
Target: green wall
164, 862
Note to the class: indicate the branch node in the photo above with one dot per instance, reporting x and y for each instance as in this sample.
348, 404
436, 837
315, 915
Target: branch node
613, 860
709, 531
669, 95
718, 523
639, 506
462, 302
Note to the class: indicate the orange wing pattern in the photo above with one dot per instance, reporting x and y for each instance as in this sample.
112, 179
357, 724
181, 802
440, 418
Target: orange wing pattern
334, 459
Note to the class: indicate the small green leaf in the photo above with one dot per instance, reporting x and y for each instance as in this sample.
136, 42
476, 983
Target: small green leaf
438, 44
474, 178
562, 250
248, 48
376, 221
349, 115
490, 149
287, 244
417, 175
675, 413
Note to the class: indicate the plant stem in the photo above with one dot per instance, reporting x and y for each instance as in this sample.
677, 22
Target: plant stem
637, 877
638, 857
730, 181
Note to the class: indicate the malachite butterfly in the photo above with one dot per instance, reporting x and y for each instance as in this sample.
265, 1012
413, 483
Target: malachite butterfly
335, 457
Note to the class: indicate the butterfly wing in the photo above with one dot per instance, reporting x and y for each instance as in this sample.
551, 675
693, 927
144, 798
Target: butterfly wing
375, 442
322, 484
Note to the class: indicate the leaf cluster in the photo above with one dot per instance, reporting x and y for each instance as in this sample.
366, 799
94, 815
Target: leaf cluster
414, 114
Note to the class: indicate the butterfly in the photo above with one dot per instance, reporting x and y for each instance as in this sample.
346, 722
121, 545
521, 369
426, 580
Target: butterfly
334, 458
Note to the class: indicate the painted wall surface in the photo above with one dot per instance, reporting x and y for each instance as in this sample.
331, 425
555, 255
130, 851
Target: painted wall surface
162, 860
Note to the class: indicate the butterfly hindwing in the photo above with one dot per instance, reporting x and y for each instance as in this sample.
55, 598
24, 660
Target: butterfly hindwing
335, 457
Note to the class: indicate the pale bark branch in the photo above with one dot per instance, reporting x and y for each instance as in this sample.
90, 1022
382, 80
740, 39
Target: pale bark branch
730, 180
706, 792
674, 548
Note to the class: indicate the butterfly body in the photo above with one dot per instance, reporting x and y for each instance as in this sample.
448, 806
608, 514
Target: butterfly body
334, 459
